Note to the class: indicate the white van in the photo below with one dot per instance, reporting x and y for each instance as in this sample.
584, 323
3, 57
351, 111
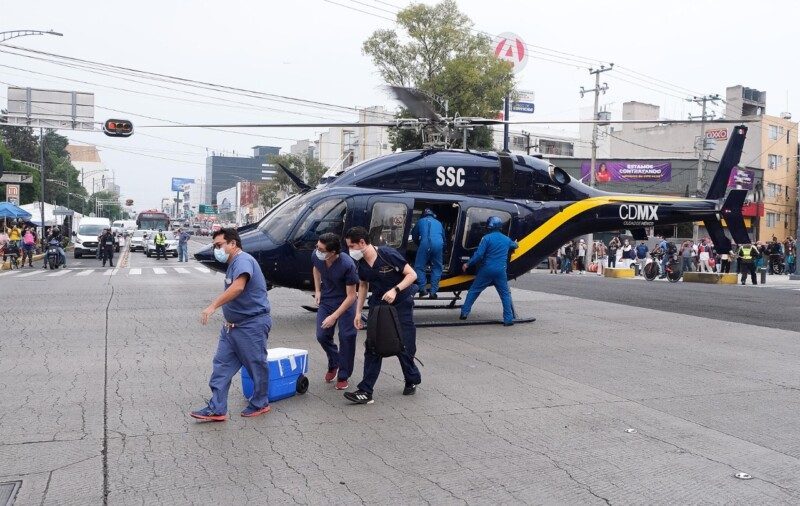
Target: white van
85, 238
122, 226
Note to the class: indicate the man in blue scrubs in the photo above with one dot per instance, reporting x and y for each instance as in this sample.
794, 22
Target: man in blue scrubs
335, 281
384, 272
243, 338
492, 255
428, 233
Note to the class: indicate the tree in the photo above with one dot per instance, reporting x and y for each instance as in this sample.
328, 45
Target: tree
308, 168
110, 207
438, 54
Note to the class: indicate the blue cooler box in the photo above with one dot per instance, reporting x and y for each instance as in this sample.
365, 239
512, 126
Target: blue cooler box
287, 369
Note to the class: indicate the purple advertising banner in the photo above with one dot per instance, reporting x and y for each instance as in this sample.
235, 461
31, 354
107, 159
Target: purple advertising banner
628, 171
741, 178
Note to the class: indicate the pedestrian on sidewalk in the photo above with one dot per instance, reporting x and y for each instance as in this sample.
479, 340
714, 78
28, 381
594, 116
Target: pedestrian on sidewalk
335, 281
552, 262
28, 246
183, 245
244, 334
641, 256
613, 247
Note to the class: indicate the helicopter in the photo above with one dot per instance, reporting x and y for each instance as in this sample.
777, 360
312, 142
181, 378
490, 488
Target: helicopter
540, 205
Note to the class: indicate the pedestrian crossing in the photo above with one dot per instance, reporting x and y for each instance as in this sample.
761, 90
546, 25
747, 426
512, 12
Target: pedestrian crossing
116, 271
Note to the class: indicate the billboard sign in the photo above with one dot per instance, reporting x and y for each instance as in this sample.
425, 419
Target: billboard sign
628, 171
178, 182
510, 47
12, 193
50, 108
719, 134
524, 102
741, 178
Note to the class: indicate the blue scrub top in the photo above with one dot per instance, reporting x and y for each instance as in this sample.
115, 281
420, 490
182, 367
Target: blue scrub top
253, 300
385, 274
428, 232
336, 278
493, 251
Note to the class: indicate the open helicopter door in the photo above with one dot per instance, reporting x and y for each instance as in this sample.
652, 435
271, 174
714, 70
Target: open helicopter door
448, 213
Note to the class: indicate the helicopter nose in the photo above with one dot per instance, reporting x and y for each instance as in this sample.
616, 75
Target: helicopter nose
206, 257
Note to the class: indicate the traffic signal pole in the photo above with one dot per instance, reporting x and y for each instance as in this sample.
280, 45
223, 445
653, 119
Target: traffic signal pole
41, 200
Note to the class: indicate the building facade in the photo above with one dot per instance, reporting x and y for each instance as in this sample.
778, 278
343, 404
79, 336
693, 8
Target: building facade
342, 147
223, 172
94, 176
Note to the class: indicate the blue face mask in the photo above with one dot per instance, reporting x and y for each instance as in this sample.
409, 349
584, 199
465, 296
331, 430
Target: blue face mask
220, 255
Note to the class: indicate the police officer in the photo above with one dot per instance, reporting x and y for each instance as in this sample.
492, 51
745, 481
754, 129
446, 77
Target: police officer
391, 279
161, 244
106, 245
747, 260
428, 233
243, 338
492, 254
335, 281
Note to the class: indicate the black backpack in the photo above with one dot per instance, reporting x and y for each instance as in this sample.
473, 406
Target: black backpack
384, 335
671, 248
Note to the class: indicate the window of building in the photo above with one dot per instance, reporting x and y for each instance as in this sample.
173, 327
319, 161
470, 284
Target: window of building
475, 226
388, 223
519, 142
778, 217
770, 219
557, 148
773, 132
772, 190
772, 161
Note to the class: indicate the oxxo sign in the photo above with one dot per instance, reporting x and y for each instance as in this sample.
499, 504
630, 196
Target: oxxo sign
720, 134
450, 176
638, 213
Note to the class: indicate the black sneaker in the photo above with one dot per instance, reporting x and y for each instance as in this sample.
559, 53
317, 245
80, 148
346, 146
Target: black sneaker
462, 316
410, 389
359, 397
433, 296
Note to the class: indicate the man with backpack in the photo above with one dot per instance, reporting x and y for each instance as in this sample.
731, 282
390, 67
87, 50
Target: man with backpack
28, 247
641, 256
391, 280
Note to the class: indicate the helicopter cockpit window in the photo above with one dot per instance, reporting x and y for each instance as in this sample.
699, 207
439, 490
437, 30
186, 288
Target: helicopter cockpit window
327, 217
388, 224
278, 224
475, 226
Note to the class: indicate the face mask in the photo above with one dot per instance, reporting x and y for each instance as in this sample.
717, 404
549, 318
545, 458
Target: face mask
321, 255
220, 255
356, 254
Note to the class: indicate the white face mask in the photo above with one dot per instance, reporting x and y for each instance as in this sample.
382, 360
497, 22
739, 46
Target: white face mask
321, 255
356, 254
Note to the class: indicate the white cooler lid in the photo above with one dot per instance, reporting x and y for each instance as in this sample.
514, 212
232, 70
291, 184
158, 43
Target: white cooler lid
278, 353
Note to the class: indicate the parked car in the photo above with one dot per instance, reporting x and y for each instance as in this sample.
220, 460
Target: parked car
138, 239
171, 246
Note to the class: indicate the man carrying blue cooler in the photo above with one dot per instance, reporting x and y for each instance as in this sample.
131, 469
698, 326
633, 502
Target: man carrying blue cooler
384, 272
335, 281
492, 255
428, 233
243, 338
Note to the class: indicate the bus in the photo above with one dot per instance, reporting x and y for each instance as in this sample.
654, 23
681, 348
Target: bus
152, 219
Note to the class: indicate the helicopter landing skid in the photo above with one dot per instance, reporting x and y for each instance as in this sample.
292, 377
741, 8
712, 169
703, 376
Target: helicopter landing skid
466, 323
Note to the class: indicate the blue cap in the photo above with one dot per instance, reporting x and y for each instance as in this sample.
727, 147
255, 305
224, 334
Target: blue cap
494, 223
428, 212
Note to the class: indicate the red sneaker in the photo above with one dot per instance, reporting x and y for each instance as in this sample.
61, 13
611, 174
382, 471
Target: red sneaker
342, 385
207, 415
331, 374
252, 411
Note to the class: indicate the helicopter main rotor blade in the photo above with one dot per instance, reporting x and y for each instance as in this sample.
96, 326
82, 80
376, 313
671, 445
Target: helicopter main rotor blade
274, 125
415, 103
485, 121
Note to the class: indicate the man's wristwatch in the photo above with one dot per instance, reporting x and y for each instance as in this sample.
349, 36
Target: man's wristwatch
397, 289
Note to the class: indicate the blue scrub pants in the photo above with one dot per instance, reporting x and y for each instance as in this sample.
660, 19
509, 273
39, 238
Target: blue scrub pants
429, 254
344, 355
372, 362
241, 346
483, 279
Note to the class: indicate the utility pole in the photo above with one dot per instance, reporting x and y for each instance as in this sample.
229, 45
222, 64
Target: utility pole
597, 90
701, 145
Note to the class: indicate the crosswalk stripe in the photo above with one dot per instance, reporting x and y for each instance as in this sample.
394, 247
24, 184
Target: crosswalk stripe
159, 270
181, 270
109, 272
9, 272
203, 269
59, 273
27, 274
85, 273
134, 272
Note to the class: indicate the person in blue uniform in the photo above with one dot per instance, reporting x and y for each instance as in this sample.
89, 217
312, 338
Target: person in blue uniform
335, 281
385, 273
428, 233
243, 338
492, 255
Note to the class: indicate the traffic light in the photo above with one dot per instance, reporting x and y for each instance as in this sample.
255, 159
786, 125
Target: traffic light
129, 202
118, 128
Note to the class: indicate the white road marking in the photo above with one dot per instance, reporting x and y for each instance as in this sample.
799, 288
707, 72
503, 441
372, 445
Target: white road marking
181, 270
203, 269
135, 272
110, 272
38, 271
6, 273
59, 273
85, 273
159, 270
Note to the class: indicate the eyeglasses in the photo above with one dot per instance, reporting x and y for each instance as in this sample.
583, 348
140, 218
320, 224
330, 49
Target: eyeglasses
218, 245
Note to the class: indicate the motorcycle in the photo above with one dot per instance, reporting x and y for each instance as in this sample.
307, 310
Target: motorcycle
53, 255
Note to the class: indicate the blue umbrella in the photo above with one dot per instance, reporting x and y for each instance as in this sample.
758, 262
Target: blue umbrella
9, 210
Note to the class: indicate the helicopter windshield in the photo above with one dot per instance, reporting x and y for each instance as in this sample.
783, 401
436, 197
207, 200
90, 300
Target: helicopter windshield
280, 221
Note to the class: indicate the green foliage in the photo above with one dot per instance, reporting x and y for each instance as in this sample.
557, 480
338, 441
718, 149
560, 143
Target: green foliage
308, 168
437, 53
112, 211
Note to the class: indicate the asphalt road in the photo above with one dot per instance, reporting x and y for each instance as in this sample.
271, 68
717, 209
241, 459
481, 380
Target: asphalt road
597, 402
774, 305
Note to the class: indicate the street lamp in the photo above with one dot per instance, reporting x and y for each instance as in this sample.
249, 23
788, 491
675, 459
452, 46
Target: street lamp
13, 34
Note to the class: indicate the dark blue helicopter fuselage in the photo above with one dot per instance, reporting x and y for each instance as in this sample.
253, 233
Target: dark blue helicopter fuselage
541, 206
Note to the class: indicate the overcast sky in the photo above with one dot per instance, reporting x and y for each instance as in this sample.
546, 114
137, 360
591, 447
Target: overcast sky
665, 52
